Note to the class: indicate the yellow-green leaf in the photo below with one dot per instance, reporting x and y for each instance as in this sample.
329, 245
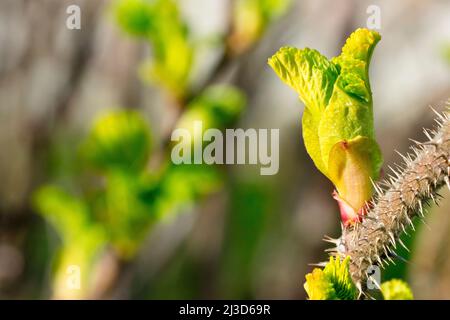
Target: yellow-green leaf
338, 102
350, 169
312, 76
332, 283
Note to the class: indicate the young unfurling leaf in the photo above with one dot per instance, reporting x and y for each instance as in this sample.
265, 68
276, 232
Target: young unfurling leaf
312, 76
338, 118
332, 283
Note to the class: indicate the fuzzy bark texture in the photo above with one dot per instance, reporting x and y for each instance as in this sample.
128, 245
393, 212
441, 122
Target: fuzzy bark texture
398, 200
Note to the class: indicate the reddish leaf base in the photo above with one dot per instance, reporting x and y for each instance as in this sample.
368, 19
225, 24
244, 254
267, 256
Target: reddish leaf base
349, 215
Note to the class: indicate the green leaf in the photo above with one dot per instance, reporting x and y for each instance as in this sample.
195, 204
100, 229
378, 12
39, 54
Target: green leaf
160, 22
224, 103
360, 45
332, 283
82, 238
312, 76
135, 16
251, 18
119, 139
349, 113
309, 73
350, 170
69, 215
338, 110
319, 287
272, 9
396, 289
217, 107
124, 211
310, 124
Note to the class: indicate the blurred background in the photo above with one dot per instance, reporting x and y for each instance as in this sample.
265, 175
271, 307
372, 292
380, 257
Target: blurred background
85, 121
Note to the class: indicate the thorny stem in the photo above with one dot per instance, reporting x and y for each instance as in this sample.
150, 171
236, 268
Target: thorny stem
399, 199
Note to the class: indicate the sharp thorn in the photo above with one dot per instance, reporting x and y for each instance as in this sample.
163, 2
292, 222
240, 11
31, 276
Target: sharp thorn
403, 245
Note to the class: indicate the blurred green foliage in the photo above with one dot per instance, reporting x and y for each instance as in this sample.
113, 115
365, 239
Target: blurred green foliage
118, 199
217, 107
82, 239
159, 22
396, 289
251, 18
118, 140
250, 214
111, 189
